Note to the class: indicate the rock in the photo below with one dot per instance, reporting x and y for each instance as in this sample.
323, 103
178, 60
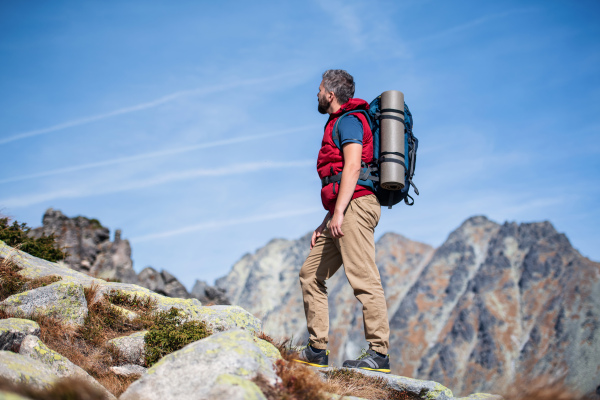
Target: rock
62, 300
152, 279
132, 347
215, 359
11, 396
229, 386
14, 330
425, 389
223, 318
482, 396
33, 348
17, 368
163, 283
89, 247
267, 348
209, 294
128, 370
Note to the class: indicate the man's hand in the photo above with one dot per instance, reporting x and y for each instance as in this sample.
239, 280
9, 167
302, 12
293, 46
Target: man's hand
318, 231
335, 227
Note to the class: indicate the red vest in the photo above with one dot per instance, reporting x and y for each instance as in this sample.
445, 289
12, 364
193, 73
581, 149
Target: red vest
331, 161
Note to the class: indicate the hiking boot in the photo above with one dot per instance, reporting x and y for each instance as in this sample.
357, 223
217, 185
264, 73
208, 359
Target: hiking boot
371, 361
307, 355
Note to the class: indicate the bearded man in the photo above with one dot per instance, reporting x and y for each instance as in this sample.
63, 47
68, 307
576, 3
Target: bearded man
346, 235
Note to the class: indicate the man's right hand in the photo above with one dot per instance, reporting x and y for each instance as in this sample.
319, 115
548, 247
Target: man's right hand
319, 230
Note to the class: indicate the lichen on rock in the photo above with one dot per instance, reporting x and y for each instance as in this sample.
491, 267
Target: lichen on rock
62, 300
131, 347
21, 369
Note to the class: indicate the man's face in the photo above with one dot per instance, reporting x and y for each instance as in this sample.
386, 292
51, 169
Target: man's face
325, 98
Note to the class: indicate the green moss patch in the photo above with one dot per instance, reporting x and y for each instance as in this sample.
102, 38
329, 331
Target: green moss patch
170, 332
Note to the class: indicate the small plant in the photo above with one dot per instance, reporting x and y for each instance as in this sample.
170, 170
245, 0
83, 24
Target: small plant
171, 332
16, 235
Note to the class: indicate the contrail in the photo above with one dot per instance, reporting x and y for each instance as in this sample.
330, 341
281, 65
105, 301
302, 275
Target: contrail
93, 189
138, 107
154, 154
223, 223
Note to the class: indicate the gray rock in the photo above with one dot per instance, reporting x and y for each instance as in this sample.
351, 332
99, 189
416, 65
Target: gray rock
131, 347
152, 279
14, 330
128, 370
33, 348
425, 389
62, 300
219, 360
12, 396
223, 318
17, 368
228, 386
209, 294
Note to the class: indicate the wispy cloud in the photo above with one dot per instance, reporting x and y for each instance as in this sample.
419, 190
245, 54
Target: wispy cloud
474, 23
154, 154
224, 223
94, 190
141, 106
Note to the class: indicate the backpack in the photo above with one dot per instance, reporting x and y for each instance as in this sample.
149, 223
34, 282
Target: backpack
369, 175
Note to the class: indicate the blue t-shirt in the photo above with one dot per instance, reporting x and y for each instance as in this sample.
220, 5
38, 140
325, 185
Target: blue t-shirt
351, 130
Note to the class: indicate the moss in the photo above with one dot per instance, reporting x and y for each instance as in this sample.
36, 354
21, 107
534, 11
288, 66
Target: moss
131, 302
171, 332
17, 235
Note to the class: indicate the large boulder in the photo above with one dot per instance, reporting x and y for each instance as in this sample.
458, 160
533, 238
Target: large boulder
33, 348
201, 370
62, 300
14, 330
18, 368
209, 294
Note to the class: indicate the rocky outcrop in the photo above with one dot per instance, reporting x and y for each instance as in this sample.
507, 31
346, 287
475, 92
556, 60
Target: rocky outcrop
17, 368
225, 362
493, 306
88, 246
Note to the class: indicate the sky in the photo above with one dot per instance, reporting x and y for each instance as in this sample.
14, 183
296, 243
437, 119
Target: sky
192, 126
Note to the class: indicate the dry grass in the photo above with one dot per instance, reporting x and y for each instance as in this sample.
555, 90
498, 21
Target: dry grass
64, 389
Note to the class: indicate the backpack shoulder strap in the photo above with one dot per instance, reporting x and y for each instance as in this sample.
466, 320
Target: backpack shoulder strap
336, 134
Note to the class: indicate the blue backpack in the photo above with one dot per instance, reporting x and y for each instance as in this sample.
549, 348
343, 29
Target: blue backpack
369, 175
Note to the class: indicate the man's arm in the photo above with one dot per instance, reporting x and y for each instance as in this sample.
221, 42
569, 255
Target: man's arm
319, 230
350, 172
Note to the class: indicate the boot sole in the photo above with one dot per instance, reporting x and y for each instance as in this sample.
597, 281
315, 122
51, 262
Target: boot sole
312, 364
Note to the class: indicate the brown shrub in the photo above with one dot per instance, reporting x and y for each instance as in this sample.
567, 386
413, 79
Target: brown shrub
12, 282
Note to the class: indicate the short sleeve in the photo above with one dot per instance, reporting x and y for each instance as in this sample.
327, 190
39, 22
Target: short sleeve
351, 130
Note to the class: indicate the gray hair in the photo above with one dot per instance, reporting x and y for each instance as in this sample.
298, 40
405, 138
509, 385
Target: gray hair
339, 82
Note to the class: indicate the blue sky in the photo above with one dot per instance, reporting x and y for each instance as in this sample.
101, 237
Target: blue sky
193, 126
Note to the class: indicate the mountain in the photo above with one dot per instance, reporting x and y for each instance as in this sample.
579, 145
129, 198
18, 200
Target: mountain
493, 307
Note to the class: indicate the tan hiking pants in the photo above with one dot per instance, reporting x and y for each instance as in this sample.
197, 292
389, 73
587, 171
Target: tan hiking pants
356, 250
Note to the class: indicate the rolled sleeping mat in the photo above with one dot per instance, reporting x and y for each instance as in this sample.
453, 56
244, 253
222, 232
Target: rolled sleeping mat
392, 140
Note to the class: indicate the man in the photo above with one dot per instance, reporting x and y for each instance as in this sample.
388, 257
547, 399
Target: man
346, 235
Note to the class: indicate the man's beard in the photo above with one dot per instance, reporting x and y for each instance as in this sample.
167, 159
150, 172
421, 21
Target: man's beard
323, 105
